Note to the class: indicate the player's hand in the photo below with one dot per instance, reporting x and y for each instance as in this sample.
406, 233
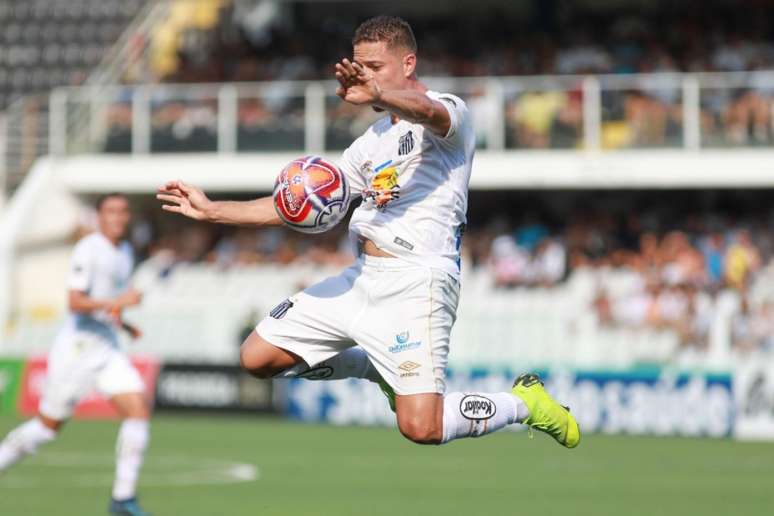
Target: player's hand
357, 85
129, 298
184, 199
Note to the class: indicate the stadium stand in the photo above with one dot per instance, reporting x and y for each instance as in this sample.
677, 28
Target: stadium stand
45, 44
640, 279
263, 41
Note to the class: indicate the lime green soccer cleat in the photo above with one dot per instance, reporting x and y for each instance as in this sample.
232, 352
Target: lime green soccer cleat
388, 393
545, 414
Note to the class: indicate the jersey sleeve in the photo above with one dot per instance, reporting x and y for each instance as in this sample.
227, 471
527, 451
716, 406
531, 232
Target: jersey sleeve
458, 112
350, 163
81, 269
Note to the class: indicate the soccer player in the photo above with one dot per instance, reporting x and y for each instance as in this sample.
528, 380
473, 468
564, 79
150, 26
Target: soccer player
86, 354
388, 317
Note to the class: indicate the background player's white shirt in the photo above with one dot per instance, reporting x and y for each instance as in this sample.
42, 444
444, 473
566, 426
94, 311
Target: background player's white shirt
101, 270
414, 185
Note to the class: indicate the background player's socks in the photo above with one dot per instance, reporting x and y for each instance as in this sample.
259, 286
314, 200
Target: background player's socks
350, 363
477, 414
24, 440
133, 439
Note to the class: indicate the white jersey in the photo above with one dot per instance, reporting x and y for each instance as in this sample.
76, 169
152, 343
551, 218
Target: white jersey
414, 185
101, 270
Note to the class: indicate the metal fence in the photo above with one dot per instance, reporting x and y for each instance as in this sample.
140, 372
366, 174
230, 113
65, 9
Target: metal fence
592, 113
606, 112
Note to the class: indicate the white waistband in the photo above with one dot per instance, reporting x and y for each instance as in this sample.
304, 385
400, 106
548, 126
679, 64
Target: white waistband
380, 262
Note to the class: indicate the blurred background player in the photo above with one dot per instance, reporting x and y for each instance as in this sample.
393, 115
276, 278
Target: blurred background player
412, 170
86, 354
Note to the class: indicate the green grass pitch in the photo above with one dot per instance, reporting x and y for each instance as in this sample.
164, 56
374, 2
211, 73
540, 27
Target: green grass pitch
338, 471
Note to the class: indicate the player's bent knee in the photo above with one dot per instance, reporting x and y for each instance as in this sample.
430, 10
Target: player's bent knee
132, 405
420, 431
255, 364
263, 360
50, 423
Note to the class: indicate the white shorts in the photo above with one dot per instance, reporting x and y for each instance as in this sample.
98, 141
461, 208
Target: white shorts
79, 362
399, 313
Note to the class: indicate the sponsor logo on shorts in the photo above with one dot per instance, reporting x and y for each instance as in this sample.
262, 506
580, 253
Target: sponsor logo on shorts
477, 407
409, 368
281, 309
317, 373
403, 344
403, 243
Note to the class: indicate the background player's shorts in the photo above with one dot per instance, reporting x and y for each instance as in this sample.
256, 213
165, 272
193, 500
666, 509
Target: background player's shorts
399, 313
79, 362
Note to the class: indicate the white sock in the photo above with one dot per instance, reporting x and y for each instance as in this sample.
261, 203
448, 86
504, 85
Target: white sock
132, 441
350, 363
477, 414
24, 440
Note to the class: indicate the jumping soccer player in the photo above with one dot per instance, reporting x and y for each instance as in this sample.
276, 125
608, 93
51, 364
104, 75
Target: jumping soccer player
388, 317
86, 354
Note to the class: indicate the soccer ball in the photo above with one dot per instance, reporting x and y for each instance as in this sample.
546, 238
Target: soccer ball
311, 195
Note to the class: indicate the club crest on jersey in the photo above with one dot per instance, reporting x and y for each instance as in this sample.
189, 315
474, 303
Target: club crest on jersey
405, 143
384, 185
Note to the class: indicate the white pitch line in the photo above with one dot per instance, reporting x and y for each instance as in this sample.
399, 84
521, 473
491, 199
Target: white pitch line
188, 471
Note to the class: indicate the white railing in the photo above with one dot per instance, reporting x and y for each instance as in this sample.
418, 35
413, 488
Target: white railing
675, 110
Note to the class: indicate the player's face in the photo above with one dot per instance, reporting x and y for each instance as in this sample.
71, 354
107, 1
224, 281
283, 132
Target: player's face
391, 67
113, 217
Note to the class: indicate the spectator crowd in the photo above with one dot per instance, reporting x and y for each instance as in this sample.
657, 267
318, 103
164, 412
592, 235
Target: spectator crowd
658, 265
301, 41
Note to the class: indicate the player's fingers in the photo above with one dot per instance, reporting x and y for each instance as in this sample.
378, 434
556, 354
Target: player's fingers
348, 67
346, 77
183, 187
174, 193
341, 92
172, 207
341, 79
359, 69
169, 198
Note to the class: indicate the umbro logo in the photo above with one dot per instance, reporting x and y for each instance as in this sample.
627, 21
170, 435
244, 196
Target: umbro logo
405, 143
410, 369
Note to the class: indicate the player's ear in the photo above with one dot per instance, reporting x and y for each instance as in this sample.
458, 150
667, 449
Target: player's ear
409, 65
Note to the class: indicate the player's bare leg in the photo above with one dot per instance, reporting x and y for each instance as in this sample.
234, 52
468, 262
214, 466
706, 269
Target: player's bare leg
54, 424
132, 442
420, 417
264, 360
436, 419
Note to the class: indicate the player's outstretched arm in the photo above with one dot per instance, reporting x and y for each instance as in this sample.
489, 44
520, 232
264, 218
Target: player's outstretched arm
358, 85
416, 107
192, 202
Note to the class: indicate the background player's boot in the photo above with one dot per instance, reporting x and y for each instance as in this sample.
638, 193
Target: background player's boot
128, 507
388, 392
545, 414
